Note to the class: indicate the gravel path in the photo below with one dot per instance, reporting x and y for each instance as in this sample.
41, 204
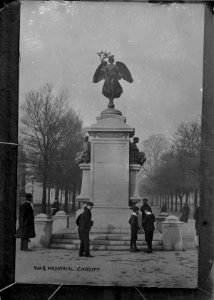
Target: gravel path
169, 269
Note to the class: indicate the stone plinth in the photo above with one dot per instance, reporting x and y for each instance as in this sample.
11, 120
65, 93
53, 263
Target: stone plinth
109, 170
85, 195
111, 218
134, 196
160, 219
172, 234
60, 221
43, 229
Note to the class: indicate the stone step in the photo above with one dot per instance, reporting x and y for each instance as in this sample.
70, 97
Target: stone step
112, 230
109, 236
104, 230
101, 242
105, 241
103, 247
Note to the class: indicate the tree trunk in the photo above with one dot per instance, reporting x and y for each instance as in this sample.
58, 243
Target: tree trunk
181, 201
66, 200
176, 201
187, 197
44, 196
167, 202
61, 197
74, 199
171, 201
160, 201
49, 202
57, 192
195, 199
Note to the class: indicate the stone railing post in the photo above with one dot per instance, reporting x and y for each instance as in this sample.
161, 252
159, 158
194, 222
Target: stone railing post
60, 221
172, 233
43, 229
160, 219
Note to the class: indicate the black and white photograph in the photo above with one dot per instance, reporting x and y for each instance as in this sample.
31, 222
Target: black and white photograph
108, 172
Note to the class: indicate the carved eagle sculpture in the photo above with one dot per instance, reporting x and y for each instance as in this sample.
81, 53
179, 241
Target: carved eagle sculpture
111, 73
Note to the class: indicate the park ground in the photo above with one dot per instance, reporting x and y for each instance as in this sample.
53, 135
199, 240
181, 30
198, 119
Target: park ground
163, 269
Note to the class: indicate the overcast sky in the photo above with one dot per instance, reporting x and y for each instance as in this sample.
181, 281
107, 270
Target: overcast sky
161, 45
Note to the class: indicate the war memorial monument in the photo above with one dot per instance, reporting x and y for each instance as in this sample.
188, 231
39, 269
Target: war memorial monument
110, 162
109, 177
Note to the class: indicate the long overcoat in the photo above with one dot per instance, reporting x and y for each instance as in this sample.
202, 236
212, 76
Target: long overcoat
143, 208
185, 214
84, 221
148, 223
26, 221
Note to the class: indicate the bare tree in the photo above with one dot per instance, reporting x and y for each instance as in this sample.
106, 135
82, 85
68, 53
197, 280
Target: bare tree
173, 172
187, 146
42, 130
65, 172
154, 147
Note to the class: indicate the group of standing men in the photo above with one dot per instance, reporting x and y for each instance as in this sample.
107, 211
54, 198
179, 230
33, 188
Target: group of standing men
84, 223
148, 220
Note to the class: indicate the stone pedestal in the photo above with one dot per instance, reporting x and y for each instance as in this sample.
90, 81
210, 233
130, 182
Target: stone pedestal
43, 229
109, 170
60, 221
134, 196
172, 234
160, 219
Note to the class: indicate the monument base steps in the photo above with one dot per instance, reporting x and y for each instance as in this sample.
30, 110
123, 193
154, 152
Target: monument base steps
115, 241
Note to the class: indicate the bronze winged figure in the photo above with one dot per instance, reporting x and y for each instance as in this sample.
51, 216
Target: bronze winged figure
111, 73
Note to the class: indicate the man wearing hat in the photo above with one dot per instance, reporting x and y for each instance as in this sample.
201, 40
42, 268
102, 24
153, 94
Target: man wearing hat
133, 221
144, 207
26, 222
148, 226
84, 224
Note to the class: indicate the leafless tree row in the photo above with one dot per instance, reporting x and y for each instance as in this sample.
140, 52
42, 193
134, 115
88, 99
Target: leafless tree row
171, 172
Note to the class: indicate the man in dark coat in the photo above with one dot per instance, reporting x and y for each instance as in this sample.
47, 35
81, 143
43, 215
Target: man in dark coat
197, 224
55, 207
84, 224
164, 208
148, 225
26, 223
133, 221
185, 213
144, 207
